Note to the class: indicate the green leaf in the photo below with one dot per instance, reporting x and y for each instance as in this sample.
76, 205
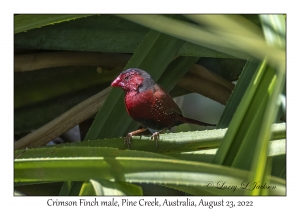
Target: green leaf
25, 120
39, 86
246, 121
171, 144
106, 160
90, 188
104, 187
259, 168
75, 188
64, 122
266, 176
219, 39
274, 28
17, 193
246, 143
66, 188
237, 94
258, 106
28, 22
104, 33
131, 169
83, 150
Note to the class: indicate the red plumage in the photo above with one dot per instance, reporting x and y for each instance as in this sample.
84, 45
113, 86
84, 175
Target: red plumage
149, 104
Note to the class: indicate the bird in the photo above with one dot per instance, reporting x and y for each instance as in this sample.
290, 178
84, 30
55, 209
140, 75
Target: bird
149, 104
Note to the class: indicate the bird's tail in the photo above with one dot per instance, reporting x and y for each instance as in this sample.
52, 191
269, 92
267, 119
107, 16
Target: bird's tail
192, 121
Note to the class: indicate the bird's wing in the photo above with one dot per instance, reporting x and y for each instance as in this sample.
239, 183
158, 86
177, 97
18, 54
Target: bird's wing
166, 100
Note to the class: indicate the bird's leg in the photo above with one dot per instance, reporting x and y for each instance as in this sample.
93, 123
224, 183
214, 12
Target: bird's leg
129, 136
155, 136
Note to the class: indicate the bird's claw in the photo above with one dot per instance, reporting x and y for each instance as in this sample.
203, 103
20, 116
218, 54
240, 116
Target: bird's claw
155, 137
127, 140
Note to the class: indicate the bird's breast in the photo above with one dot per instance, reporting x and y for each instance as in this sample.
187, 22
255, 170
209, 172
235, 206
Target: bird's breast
139, 104
150, 109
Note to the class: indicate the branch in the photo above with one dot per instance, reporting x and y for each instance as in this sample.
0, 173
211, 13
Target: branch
41, 60
64, 122
207, 83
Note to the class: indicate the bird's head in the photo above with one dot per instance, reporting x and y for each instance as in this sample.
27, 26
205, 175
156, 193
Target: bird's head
134, 80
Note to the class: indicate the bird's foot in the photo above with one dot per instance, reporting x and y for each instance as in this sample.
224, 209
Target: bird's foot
127, 140
155, 137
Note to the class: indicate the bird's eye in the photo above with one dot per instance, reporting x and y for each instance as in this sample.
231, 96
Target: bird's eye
126, 78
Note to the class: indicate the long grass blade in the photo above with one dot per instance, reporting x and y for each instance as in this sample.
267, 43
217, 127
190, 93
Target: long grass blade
28, 22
